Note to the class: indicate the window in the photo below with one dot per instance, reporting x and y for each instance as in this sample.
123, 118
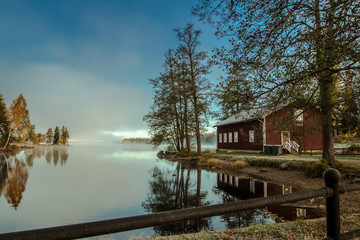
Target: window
220, 137
225, 137
236, 137
230, 137
251, 136
299, 116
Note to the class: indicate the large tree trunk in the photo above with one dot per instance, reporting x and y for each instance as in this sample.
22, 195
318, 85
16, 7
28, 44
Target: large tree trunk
324, 61
326, 88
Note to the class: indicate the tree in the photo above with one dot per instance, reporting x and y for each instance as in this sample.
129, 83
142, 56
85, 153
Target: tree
64, 136
56, 135
290, 50
32, 135
198, 67
4, 123
40, 138
232, 94
49, 136
19, 119
169, 118
347, 111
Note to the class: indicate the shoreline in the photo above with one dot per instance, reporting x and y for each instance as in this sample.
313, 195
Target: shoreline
296, 177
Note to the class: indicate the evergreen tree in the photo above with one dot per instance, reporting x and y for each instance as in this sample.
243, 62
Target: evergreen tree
4, 123
49, 136
19, 119
56, 136
64, 136
32, 135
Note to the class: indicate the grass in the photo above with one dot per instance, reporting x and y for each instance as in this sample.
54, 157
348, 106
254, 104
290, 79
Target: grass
300, 229
312, 166
220, 163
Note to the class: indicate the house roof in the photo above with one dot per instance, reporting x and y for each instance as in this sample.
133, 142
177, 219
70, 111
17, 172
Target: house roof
245, 116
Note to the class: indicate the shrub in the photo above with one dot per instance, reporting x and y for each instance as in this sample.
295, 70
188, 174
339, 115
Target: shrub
238, 164
316, 169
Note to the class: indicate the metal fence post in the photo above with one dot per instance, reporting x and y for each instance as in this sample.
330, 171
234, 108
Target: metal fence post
332, 178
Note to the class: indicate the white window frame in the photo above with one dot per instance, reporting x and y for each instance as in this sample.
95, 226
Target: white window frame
299, 116
251, 136
225, 137
220, 137
236, 137
230, 137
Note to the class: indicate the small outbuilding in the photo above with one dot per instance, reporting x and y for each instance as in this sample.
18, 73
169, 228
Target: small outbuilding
286, 129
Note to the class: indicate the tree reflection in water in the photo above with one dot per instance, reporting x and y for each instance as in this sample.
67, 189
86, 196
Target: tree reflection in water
16, 182
14, 171
176, 190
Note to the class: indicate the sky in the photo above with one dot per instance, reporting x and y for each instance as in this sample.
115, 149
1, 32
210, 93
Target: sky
85, 64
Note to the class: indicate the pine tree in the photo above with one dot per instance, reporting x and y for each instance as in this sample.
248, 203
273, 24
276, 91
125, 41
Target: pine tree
56, 136
66, 136
49, 136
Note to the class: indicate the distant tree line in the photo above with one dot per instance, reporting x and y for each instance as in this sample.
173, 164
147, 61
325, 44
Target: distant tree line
136, 140
16, 127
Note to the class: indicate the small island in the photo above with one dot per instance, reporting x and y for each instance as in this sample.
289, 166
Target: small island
17, 131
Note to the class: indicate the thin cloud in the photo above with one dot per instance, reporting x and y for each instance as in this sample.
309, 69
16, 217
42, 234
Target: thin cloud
85, 103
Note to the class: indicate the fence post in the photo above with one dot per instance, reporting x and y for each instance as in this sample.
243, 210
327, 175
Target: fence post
332, 179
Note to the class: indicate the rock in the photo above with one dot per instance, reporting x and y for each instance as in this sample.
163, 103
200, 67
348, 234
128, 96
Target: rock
161, 155
284, 166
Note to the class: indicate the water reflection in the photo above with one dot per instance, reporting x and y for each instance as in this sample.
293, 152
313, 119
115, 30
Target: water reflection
244, 188
14, 170
171, 190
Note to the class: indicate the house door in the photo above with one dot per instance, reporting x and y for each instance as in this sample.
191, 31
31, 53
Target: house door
285, 137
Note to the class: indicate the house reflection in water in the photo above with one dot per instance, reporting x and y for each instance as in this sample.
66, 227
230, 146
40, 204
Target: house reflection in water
245, 188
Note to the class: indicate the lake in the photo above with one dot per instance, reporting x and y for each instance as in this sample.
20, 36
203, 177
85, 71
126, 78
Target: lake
52, 186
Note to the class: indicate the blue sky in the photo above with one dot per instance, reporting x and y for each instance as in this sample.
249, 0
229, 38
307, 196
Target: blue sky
85, 64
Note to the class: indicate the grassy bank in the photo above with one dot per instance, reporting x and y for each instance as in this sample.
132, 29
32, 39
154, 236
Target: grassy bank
312, 166
300, 229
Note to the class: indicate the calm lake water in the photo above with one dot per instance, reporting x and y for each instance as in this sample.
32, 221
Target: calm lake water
52, 186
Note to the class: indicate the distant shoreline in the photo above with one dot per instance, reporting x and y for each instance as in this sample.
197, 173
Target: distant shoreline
19, 147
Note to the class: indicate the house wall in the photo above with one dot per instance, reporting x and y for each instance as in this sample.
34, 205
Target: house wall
242, 130
273, 132
308, 133
313, 137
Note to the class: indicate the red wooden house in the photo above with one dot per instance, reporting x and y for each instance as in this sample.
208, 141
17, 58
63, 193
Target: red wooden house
274, 132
